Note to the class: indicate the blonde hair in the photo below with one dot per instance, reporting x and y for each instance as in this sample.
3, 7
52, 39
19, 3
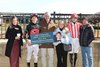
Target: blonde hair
65, 29
60, 22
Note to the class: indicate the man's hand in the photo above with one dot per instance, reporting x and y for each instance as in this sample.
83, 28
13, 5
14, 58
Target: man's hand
27, 35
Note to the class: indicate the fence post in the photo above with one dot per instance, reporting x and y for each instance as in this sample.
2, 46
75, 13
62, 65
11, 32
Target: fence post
54, 16
80, 17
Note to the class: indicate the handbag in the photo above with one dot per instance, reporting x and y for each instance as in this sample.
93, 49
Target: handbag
67, 47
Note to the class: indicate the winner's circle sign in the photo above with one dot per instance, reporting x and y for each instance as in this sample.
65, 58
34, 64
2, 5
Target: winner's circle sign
42, 38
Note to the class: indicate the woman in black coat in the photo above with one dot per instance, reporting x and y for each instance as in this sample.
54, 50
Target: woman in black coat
13, 47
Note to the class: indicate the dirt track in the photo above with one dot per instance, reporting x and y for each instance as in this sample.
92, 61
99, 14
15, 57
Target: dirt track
4, 61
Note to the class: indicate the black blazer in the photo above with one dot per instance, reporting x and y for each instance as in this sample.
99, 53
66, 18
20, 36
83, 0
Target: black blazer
86, 35
11, 33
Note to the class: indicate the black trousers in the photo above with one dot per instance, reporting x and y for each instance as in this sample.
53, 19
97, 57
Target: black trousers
61, 56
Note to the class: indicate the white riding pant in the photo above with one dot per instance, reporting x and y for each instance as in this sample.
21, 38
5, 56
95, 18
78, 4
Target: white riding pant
32, 50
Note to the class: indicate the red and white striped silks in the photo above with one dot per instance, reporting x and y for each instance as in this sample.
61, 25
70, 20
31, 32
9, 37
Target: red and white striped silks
74, 29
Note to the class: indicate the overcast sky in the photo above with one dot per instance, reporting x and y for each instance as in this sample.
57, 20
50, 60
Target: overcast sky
59, 6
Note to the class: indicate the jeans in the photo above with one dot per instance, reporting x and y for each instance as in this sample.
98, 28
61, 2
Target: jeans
87, 57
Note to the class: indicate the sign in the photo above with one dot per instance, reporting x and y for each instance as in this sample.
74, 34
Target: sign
42, 38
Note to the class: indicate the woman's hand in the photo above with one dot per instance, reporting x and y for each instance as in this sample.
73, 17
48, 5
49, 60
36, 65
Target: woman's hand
17, 37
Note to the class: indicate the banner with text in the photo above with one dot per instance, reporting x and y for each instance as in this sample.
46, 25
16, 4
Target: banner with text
42, 38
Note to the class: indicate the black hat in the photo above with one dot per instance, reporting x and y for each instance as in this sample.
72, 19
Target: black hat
34, 15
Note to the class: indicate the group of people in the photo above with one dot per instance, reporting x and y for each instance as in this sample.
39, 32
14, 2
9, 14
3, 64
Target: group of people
74, 33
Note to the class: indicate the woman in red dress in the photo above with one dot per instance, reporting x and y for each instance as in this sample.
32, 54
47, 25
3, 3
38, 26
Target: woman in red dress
13, 47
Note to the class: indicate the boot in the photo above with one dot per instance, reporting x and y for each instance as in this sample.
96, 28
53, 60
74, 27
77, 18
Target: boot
35, 65
75, 59
28, 64
71, 60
